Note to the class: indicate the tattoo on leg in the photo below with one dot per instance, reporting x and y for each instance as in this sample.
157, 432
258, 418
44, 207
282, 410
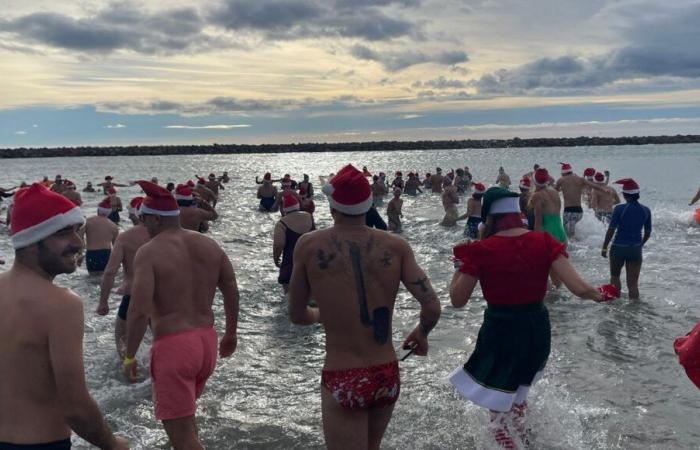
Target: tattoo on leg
323, 260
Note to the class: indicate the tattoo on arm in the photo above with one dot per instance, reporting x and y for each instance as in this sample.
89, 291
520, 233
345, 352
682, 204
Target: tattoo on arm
422, 283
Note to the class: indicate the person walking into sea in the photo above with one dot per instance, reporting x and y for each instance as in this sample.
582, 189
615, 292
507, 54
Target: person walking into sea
176, 275
503, 179
354, 273
546, 207
412, 186
602, 202
450, 200
116, 205
393, 211
108, 184
100, 235
626, 225
473, 214
379, 191
436, 181
125, 247
43, 393
511, 264
572, 187
195, 214
267, 193
294, 224
287, 188
525, 207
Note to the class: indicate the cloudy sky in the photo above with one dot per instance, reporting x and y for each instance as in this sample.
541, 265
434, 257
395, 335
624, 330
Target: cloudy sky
95, 72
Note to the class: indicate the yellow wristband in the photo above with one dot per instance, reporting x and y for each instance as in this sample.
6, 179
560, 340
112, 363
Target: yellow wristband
128, 361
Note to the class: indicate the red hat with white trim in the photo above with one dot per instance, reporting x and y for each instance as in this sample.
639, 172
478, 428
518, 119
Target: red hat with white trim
566, 168
104, 208
190, 183
183, 192
479, 188
286, 181
541, 177
112, 191
289, 203
590, 172
629, 186
38, 213
599, 177
525, 183
159, 201
201, 180
135, 206
349, 192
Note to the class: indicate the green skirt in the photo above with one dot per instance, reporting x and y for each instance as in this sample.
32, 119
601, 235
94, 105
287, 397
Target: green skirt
510, 355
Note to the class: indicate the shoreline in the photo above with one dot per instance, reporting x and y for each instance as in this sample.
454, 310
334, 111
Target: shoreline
372, 146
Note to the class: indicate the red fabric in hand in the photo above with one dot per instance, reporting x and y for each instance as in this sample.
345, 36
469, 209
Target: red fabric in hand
688, 350
609, 292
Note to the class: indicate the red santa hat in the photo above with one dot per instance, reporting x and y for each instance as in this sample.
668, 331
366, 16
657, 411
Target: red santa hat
286, 181
566, 168
159, 201
589, 172
599, 177
112, 191
479, 188
525, 183
629, 186
104, 208
190, 183
289, 203
201, 180
38, 213
183, 192
349, 192
268, 176
134, 206
541, 177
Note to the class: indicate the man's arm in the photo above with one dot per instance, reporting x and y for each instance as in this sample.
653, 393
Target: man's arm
66, 354
300, 290
207, 211
141, 298
229, 290
418, 284
695, 199
278, 241
115, 260
647, 228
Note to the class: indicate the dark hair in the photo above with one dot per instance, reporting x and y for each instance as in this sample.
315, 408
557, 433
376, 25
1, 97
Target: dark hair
630, 197
185, 203
170, 186
476, 196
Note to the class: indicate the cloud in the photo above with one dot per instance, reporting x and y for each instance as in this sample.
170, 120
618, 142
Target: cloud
297, 19
411, 116
660, 46
441, 83
206, 127
118, 125
120, 26
20, 133
396, 61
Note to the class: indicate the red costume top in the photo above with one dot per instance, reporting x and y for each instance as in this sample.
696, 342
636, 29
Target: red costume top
688, 350
512, 270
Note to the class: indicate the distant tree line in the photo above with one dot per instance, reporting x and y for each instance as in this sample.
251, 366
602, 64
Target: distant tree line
582, 141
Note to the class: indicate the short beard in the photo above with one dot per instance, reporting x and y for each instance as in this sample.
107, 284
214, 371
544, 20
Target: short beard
51, 263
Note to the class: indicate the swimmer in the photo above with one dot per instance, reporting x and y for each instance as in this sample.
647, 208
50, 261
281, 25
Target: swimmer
398, 181
287, 188
450, 200
89, 188
462, 182
436, 181
267, 193
214, 185
307, 186
43, 393
546, 208
203, 191
360, 380
602, 202
294, 224
108, 184
412, 186
224, 178
100, 235
503, 179
193, 211
307, 203
116, 205
473, 214
176, 276
71, 194
427, 183
58, 185
393, 211
125, 247
571, 186
379, 191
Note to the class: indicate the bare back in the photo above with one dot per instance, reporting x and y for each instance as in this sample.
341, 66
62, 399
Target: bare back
181, 271
354, 275
436, 183
100, 233
30, 409
128, 243
192, 217
571, 187
548, 199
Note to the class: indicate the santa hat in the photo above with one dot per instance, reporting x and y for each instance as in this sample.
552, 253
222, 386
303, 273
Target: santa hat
159, 201
134, 206
108, 178
349, 192
599, 177
38, 213
201, 180
525, 183
183, 192
112, 191
105, 207
566, 168
541, 177
629, 186
211, 175
399, 174
589, 173
289, 203
190, 183
268, 176
479, 188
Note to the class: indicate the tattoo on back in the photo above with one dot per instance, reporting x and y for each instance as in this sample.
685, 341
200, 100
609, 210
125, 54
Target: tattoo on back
386, 259
381, 319
323, 260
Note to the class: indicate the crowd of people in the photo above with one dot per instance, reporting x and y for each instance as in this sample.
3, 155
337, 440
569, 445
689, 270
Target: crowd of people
514, 243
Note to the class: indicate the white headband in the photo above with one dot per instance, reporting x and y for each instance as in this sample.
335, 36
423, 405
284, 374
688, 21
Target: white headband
505, 205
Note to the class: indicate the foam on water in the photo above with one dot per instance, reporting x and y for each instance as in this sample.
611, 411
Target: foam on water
612, 380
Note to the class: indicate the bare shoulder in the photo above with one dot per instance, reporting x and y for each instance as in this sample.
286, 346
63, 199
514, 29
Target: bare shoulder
392, 241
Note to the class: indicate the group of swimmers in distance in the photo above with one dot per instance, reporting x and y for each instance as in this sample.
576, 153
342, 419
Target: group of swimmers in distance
515, 242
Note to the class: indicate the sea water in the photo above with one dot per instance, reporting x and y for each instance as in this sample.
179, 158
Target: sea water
612, 380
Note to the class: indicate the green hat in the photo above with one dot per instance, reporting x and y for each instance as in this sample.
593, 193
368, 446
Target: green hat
494, 203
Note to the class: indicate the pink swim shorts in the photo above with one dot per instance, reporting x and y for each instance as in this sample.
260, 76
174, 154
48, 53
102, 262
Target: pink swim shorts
181, 364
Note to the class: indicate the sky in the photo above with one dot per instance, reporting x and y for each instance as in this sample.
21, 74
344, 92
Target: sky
95, 72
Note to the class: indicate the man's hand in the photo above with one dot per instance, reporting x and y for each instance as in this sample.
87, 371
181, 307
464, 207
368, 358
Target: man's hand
129, 370
419, 339
277, 262
120, 443
102, 309
604, 252
227, 345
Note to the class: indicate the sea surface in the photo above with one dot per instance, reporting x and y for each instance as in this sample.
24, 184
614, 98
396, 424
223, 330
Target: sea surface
612, 381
